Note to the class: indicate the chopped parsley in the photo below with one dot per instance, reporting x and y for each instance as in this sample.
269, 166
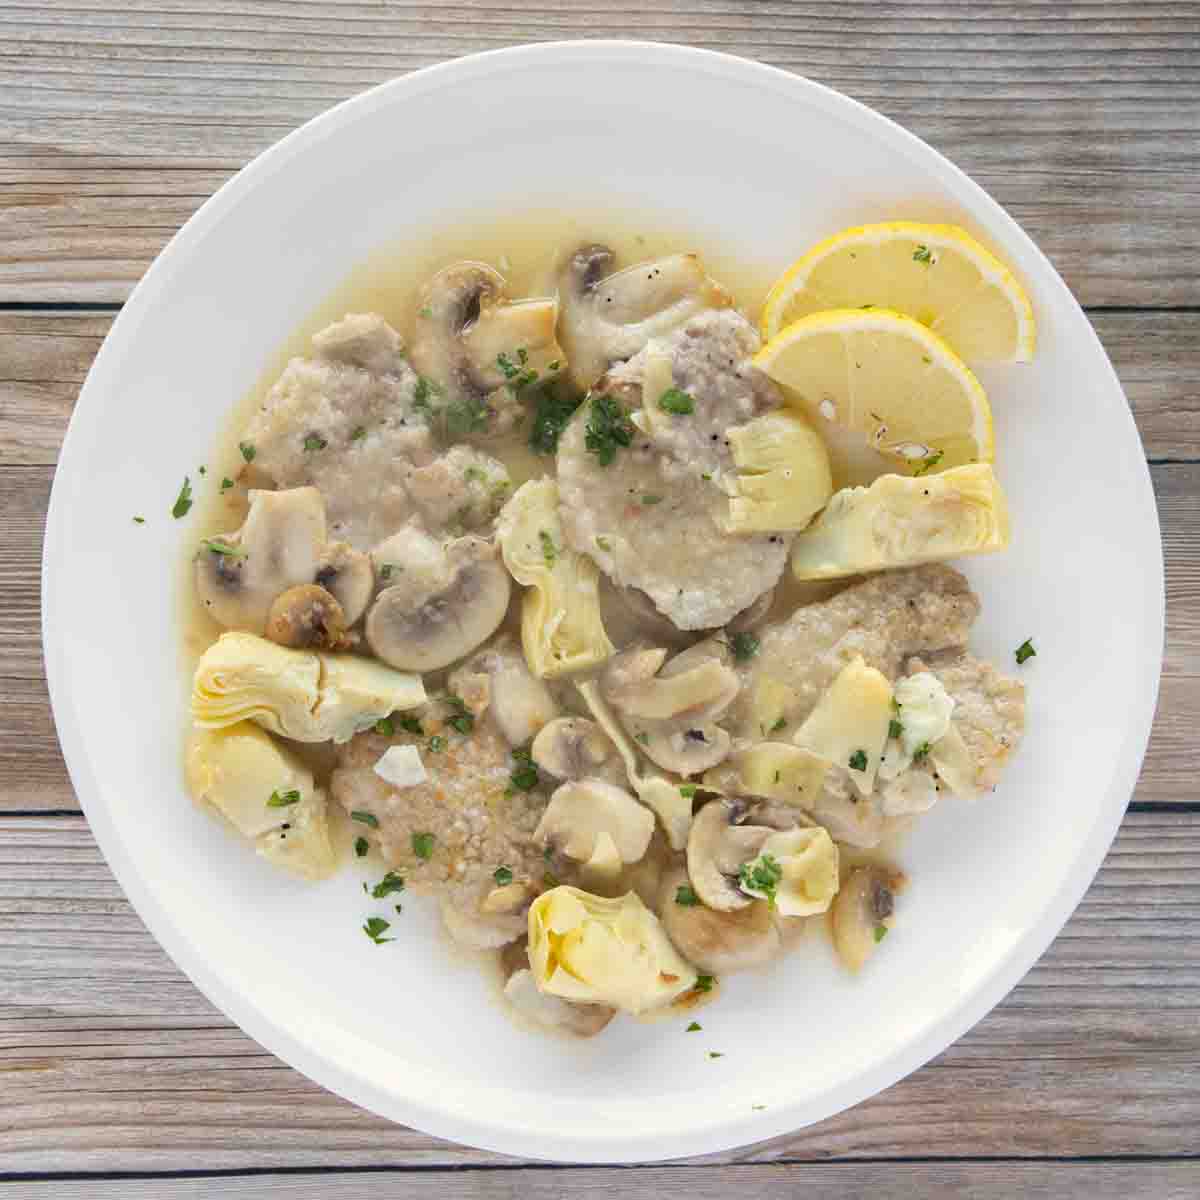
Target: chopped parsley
687, 790
361, 846
923, 255
365, 818
226, 484
422, 844
139, 520
685, 895
781, 723
390, 883
425, 312
650, 498
550, 880
221, 546
858, 760
412, 725
1025, 651
503, 876
694, 1027
437, 744
704, 983
283, 799
880, 933
929, 462
921, 752
549, 549
706, 476
676, 402
555, 407
314, 441
744, 646
761, 875
516, 377
463, 720
424, 389
359, 434
642, 737
715, 1054
602, 542
474, 475
385, 726
183, 502
608, 429
202, 470
375, 928
248, 450
524, 775
895, 729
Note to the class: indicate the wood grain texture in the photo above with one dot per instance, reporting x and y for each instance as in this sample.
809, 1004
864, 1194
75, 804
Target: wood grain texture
816, 1181
117, 121
45, 355
110, 1060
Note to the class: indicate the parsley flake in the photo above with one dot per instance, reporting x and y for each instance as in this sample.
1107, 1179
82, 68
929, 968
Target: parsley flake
412, 725
685, 895
923, 255
921, 752
425, 312
314, 441
895, 729
688, 790
881, 931
858, 760
248, 450
677, 402
183, 502
385, 727
781, 723
715, 1054
359, 434
694, 1027
390, 883
422, 844
704, 983
437, 744
365, 818
549, 549
744, 646
283, 799
361, 846
554, 409
928, 463
608, 428
652, 499
1025, 651
375, 928
762, 876
503, 876
524, 775
604, 544
222, 547
139, 520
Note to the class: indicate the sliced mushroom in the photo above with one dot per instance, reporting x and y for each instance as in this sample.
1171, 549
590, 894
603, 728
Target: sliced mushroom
435, 613
467, 325
717, 942
687, 752
238, 575
689, 697
862, 913
347, 575
609, 317
576, 748
629, 615
479, 930
581, 1020
596, 824
717, 848
307, 617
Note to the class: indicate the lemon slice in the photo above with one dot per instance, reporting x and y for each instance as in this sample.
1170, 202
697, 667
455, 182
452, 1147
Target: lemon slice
888, 377
937, 274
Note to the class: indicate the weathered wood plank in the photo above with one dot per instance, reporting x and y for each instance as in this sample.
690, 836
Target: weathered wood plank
111, 1060
818, 1181
44, 357
115, 123
32, 775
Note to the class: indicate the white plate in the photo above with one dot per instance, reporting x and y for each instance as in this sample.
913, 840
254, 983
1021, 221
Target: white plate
768, 162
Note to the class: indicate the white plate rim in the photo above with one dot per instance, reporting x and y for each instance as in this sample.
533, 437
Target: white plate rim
497, 1135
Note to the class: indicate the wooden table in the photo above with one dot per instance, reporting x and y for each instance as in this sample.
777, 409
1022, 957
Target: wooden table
117, 1079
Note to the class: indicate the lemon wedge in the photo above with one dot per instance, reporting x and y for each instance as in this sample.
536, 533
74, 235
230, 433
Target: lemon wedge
900, 522
937, 274
888, 377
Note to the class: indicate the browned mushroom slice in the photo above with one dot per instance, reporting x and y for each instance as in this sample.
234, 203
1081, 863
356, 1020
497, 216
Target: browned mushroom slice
307, 618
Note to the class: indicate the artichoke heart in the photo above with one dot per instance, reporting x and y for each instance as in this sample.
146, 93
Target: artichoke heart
306, 696
849, 725
594, 950
561, 628
774, 770
265, 792
902, 521
783, 477
806, 861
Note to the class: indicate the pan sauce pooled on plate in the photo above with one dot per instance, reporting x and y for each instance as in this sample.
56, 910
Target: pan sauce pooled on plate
589, 707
